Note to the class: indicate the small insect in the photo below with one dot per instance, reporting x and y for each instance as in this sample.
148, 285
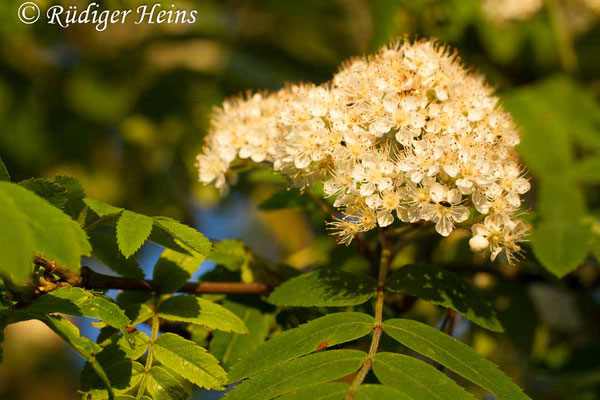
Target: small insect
131, 329
343, 143
445, 204
322, 346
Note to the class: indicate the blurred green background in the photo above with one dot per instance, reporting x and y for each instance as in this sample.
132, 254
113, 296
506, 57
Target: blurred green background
125, 111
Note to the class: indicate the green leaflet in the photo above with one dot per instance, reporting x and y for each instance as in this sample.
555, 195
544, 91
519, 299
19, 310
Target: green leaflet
322, 332
105, 248
4, 175
133, 345
190, 361
454, 355
380, 392
199, 311
132, 231
54, 193
30, 223
173, 269
415, 379
100, 208
296, 374
122, 373
561, 246
439, 286
82, 345
80, 302
231, 254
180, 234
324, 288
325, 391
231, 347
75, 195
163, 386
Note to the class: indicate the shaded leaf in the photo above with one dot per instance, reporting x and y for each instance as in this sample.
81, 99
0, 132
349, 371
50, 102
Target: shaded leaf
442, 287
54, 193
132, 231
324, 391
75, 194
105, 248
454, 355
320, 333
163, 386
196, 310
121, 371
416, 379
561, 246
189, 360
325, 287
231, 347
173, 269
296, 374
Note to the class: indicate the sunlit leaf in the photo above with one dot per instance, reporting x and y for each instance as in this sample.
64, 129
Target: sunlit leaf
163, 386
293, 375
561, 246
190, 361
132, 231
196, 310
324, 391
315, 335
454, 355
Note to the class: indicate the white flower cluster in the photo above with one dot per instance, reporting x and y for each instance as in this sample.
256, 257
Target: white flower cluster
406, 133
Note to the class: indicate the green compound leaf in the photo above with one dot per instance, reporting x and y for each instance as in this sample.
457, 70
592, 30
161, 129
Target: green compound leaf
199, 311
231, 347
561, 246
80, 302
380, 392
296, 374
180, 234
439, 286
322, 332
189, 360
163, 386
173, 269
132, 231
30, 223
325, 391
100, 208
454, 355
326, 287
134, 345
54, 193
415, 379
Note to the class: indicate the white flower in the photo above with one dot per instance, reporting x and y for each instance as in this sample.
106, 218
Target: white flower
446, 209
407, 131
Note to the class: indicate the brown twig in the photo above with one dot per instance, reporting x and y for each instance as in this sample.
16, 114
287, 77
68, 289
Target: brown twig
91, 279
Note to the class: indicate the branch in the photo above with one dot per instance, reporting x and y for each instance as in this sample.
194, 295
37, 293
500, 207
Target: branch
91, 279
